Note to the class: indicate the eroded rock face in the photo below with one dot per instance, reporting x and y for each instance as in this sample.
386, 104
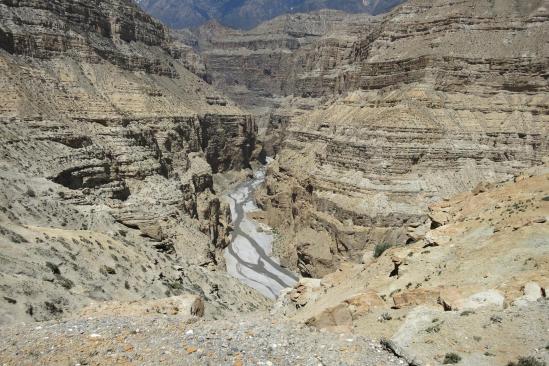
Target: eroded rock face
477, 286
108, 146
388, 116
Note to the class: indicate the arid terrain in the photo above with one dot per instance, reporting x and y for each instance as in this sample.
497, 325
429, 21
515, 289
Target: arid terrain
326, 188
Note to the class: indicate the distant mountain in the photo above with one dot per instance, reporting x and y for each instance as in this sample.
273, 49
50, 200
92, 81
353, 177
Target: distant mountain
247, 14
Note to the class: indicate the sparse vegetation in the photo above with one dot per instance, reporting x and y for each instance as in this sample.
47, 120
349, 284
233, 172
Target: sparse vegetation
380, 248
65, 282
496, 319
106, 270
433, 329
385, 317
53, 268
174, 285
527, 361
31, 192
467, 313
451, 358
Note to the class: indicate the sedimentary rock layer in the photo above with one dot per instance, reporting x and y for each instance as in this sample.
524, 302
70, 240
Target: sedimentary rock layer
108, 148
475, 285
384, 116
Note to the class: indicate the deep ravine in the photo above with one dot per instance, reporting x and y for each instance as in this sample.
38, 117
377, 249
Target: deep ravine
248, 257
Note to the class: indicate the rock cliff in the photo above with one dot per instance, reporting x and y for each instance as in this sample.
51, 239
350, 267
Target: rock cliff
377, 118
410, 186
475, 285
108, 146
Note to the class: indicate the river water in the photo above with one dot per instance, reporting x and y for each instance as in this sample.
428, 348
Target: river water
249, 256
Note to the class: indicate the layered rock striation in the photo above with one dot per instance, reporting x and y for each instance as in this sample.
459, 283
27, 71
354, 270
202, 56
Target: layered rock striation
377, 118
476, 285
109, 146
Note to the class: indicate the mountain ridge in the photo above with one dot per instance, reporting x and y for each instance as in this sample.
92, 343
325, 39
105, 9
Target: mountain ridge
247, 14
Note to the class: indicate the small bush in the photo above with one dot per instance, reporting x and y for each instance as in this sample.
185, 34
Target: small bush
467, 313
53, 268
385, 317
31, 192
451, 358
106, 270
65, 282
380, 248
433, 329
496, 319
527, 361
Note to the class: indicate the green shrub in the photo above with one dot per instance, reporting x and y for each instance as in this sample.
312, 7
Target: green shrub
380, 248
527, 361
451, 358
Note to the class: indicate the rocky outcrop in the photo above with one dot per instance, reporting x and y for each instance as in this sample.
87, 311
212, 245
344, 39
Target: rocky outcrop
475, 285
108, 149
259, 67
386, 116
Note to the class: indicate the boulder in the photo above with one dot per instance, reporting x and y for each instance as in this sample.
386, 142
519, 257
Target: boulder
364, 302
402, 342
314, 251
153, 231
414, 297
305, 291
482, 187
451, 299
337, 316
368, 258
532, 291
485, 298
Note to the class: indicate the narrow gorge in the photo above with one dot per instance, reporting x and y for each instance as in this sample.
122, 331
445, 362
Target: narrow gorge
249, 256
326, 183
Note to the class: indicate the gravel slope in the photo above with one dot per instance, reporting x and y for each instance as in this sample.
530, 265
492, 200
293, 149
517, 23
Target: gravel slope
154, 340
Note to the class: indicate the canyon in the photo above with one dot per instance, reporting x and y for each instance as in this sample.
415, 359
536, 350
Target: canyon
326, 187
375, 119
109, 149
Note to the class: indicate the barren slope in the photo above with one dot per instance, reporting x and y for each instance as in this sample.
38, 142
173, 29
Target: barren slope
417, 109
475, 285
108, 145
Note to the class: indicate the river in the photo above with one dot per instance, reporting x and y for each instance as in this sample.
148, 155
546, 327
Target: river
249, 256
